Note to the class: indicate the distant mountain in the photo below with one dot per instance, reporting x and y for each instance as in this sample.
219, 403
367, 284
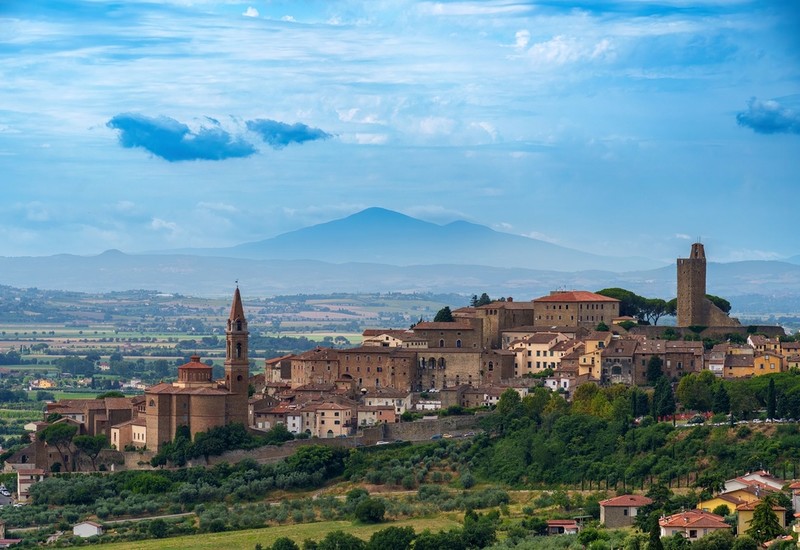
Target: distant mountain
377, 235
214, 276
793, 260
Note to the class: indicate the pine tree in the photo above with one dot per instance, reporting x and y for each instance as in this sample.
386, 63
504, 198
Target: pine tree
771, 399
765, 525
722, 403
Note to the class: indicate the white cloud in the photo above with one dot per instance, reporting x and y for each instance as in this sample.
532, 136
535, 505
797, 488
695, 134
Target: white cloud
683, 236
158, 224
563, 49
472, 8
521, 39
433, 125
371, 139
486, 127
288, 19
250, 12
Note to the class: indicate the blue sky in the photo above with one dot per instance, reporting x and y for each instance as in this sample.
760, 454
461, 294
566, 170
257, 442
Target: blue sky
622, 127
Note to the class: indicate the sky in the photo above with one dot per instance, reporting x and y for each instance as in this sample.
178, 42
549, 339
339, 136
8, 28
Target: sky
620, 127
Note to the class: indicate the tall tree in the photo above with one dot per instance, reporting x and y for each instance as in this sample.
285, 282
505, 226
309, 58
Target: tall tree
654, 309
765, 525
771, 399
630, 304
654, 370
695, 391
663, 399
722, 403
91, 446
60, 435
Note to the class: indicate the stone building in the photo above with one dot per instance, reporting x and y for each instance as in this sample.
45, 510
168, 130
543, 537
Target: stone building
621, 511
574, 308
461, 333
196, 400
694, 309
378, 367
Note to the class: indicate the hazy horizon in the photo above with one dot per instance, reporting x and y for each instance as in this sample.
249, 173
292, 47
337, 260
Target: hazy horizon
619, 128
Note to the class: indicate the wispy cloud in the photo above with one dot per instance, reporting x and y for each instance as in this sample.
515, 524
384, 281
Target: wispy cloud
174, 141
279, 134
250, 12
769, 117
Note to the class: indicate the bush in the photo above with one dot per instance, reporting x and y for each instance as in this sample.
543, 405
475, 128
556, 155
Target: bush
370, 510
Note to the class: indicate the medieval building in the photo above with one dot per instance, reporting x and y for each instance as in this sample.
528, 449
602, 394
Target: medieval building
196, 400
694, 309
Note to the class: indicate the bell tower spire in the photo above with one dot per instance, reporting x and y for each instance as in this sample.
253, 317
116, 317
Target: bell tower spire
237, 363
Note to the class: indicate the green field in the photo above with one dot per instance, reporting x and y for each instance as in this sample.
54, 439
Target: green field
298, 532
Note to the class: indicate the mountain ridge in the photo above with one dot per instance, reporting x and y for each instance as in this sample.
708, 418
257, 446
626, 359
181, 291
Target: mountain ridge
377, 234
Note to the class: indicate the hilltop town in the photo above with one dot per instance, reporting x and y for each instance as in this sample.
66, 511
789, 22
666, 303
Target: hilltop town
416, 384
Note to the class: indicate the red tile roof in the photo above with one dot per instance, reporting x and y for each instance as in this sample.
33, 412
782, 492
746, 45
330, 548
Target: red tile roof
696, 519
576, 296
626, 500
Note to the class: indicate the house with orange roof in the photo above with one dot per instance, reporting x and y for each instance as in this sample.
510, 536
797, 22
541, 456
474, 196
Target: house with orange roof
745, 514
691, 524
621, 511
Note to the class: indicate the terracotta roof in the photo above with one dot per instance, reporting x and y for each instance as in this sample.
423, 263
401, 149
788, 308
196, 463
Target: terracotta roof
116, 403
795, 485
562, 523
455, 325
750, 506
738, 360
194, 363
276, 360
620, 348
167, 388
387, 392
138, 421
696, 519
626, 500
497, 304
318, 354
576, 296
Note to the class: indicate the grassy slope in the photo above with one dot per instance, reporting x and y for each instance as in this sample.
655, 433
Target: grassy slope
298, 532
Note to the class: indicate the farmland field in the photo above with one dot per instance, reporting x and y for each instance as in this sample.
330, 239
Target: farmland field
298, 532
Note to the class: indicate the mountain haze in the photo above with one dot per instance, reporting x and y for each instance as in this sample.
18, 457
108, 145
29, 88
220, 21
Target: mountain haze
383, 236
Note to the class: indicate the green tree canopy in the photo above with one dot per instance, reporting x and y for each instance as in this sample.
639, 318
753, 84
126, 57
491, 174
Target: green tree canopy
391, 538
654, 370
444, 315
339, 540
765, 524
721, 303
91, 446
59, 435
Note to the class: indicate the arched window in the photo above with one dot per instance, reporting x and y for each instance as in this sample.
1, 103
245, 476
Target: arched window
491, 366
238, 350
238, 324
441, 343
152, 402
441, 362
431, 363
458, 343
239, 378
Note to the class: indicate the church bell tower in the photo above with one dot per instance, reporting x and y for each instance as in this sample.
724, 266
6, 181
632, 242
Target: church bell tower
237, 364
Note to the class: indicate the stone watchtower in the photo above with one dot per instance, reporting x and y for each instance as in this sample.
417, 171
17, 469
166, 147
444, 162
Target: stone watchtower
694, 309
692, 287
237, 364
